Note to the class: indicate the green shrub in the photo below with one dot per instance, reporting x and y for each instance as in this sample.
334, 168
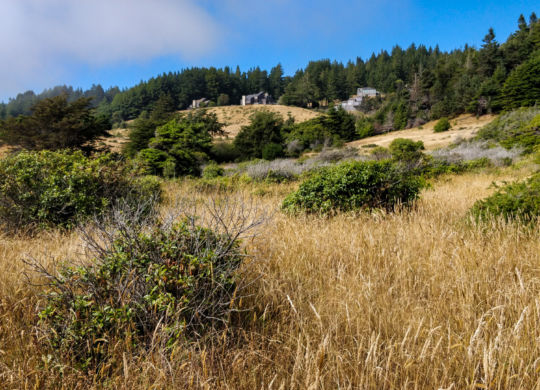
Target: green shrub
142, 288
406, 150
39, 189
434, 167
265, 128
310, 133
272, 151
212, 171
380, 153
355, 185
442, 125
222, 152
519, 128
520, 200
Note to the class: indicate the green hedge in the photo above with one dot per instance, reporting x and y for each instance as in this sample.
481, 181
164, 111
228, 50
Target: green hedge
39, 189
520, 200
355, 185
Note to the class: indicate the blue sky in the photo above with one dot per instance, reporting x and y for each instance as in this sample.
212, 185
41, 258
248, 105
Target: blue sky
121, 42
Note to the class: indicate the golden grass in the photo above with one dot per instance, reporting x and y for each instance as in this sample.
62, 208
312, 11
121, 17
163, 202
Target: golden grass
418, 299
464, 126
234, 117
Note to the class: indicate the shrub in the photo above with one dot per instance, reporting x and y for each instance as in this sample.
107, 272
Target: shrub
515, 129
520, 200
265, 128
143, 287
212, 171
442, 125
406, 150
61, 188
380, 153
355, 185
272, 151
223, 152
309, 133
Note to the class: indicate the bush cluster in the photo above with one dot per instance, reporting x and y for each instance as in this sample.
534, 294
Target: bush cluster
442, 125
355, 185
515, 129
520, 200
39, 189
142, 288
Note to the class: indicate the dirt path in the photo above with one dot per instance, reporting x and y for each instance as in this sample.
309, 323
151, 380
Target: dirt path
464, 126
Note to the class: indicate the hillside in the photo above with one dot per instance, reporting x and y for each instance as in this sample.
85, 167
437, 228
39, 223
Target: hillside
234, 117
464, 126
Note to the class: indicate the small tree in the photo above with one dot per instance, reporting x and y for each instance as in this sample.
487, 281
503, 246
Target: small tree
442, 125
265, 128
55, 124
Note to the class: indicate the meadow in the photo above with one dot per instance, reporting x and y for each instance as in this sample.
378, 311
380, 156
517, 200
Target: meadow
419, 298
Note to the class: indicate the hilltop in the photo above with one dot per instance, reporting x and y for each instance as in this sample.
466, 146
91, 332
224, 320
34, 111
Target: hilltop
234, 117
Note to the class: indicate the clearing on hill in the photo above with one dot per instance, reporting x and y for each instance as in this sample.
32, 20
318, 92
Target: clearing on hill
464, 126
234, 117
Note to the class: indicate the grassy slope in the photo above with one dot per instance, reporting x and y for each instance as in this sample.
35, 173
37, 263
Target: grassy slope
464, 126
415, 299
233, 117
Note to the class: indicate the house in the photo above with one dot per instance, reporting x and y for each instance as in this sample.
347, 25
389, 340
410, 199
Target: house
203, 102
354, 102
257, 98
367, 92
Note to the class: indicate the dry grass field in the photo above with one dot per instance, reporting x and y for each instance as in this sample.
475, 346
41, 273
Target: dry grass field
234, 117
464, 126
417, 299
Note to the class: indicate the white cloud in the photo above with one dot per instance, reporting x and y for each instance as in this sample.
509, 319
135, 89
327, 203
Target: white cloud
39, 38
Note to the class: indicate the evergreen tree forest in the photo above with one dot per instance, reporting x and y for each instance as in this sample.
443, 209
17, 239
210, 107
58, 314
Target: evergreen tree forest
417, 83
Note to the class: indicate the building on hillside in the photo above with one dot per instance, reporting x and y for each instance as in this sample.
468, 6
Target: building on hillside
257, 98
203, 102
366, 92
356, 101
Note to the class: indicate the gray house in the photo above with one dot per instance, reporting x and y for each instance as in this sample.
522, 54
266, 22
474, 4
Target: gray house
356, 101
203, 102
366, 92
257, 98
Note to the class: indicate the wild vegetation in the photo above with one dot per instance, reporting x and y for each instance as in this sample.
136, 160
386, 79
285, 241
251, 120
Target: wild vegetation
280, 258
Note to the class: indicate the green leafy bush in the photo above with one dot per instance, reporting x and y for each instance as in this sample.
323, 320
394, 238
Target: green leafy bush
355, 185
406, 150
212, 171
223, 151
60, 188
520, 200
442, 125
519, 128
265, 128
364, 127
143, 287
272, 151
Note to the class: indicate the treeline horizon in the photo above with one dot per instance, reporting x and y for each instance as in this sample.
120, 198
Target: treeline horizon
419, 83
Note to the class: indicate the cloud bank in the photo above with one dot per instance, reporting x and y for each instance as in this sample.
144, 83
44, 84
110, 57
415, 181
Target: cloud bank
41, 39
